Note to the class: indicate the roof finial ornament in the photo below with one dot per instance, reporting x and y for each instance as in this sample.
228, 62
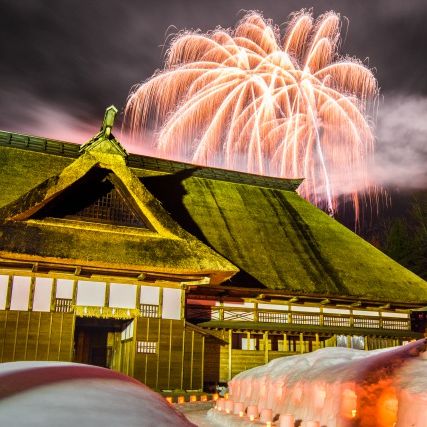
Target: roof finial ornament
108, 122
104, 140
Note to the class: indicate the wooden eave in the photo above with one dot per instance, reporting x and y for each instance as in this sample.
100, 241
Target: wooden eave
325, 330
262, 295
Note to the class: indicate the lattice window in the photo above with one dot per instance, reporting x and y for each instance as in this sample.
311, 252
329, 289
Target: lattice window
111, 208
396, 324
305, 319
273, 317
146, 347
239, 316
95, 198
366, 323
63, 305
336, 321
149, 310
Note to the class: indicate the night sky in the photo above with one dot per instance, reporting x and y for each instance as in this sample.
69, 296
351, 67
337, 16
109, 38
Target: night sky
63, 62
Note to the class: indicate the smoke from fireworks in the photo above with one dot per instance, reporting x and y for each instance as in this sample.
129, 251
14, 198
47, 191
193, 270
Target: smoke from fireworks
249, 99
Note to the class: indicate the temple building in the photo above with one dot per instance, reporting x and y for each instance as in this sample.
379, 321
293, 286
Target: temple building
179, 275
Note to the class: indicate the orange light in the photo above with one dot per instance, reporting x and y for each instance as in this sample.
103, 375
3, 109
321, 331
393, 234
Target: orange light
251, 417
193, 398
169, 399
215, 397
203, 398
181, 399
241, 413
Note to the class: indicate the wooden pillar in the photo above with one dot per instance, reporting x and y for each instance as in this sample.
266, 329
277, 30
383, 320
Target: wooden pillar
9, 292
203, 363
107, 295
183, 296
182, 358
248, 341
265, 339
170, 353
159, 315
31, 296
285, 342
75, 283
301, 342
192, 360
138, 297
317, 342
230, 336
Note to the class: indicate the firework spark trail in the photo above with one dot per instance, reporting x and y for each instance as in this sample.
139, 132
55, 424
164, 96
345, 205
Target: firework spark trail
289, 107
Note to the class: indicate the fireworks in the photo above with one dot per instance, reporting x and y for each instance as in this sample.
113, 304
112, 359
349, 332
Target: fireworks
249, 99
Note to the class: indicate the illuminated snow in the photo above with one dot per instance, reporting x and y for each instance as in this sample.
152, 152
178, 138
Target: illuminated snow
337, 387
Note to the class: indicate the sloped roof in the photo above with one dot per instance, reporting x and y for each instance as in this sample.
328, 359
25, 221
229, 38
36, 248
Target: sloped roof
277, 239
162, 247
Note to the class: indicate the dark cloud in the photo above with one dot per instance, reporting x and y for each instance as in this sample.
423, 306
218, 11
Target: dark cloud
73, 58
84, 55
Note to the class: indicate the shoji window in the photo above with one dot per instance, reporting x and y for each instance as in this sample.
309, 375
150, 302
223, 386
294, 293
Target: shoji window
4, 280
122, 295
90, 293
20, 293
171, 308
42, 294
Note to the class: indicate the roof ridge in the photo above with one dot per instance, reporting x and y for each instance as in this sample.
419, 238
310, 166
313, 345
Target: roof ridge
141, 161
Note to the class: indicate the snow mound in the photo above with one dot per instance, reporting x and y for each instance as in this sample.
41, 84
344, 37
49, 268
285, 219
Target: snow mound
40, 394
339, 387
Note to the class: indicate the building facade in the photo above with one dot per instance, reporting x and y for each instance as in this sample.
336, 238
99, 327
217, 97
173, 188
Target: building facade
180, 276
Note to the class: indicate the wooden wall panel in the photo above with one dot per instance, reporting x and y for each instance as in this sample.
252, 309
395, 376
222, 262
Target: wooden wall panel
187, 360
211, 362
197, 370
36, 336
21, 338
241, 360
178, 363
9, 340
176, 359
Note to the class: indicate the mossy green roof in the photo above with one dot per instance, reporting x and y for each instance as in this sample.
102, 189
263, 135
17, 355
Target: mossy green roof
277, 240
163, 247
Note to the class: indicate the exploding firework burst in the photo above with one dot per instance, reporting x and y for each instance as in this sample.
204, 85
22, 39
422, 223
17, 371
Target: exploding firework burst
248, 99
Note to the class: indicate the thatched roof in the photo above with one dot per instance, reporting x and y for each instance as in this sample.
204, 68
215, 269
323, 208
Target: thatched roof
39, 225
277, 240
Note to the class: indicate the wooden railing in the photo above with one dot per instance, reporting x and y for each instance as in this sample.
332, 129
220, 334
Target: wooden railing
222, 313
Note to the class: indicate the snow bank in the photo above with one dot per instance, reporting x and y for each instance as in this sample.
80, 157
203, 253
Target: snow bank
339, 387
40, 394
